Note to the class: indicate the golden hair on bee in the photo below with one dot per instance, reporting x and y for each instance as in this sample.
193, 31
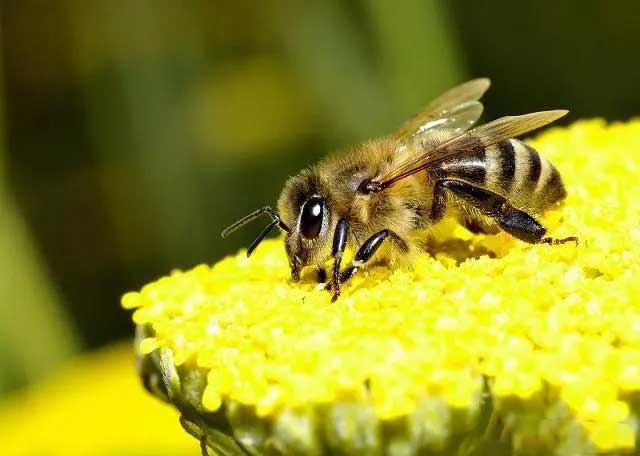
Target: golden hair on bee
384, 196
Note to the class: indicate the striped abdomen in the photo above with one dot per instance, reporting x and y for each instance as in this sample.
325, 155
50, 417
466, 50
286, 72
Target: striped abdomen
512, 169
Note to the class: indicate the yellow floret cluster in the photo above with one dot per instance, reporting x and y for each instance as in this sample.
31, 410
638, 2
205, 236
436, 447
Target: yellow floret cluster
532, 347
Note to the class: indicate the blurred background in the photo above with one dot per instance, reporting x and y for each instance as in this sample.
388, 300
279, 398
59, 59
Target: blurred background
133, 131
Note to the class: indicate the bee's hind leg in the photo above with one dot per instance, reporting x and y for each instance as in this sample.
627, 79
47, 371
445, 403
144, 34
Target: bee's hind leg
526, 228
514, 221
364, 254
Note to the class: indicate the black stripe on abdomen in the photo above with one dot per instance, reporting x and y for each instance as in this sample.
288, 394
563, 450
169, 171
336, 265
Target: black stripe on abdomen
470, 167
506, 166
507, 161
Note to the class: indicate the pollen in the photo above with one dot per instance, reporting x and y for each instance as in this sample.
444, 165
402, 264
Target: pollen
482, 338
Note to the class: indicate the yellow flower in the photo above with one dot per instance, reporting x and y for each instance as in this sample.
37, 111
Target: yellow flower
95, 406
486, 342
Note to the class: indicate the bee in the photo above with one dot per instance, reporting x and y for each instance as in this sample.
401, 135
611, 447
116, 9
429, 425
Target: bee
383, 197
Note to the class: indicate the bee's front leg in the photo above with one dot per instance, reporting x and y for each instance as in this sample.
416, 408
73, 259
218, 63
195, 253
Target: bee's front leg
339, 244
364, 254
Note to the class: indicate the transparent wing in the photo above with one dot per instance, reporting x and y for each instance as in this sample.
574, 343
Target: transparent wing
456, 110
482, 136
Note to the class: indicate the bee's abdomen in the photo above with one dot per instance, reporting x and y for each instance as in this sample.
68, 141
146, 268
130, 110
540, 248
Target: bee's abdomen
510, 168
520, 173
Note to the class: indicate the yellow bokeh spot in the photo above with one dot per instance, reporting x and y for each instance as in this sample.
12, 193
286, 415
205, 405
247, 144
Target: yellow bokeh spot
94, 406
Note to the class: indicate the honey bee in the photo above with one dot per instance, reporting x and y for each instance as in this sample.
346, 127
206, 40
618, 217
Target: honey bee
391, 191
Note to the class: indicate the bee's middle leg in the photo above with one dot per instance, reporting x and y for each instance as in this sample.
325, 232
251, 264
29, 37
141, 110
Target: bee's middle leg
364, 254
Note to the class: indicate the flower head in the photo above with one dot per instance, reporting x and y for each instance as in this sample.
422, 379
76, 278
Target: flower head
484, 341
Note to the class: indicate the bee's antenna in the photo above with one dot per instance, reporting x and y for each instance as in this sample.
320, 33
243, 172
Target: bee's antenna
252, 216
261, 237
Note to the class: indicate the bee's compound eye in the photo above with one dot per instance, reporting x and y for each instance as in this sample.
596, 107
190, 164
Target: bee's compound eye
311, 217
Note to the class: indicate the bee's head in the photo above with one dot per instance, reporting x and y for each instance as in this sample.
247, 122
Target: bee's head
303, 206
307, 234
303, 213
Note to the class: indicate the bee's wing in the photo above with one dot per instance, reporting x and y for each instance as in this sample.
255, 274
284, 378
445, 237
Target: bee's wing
456, 111
482, 136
